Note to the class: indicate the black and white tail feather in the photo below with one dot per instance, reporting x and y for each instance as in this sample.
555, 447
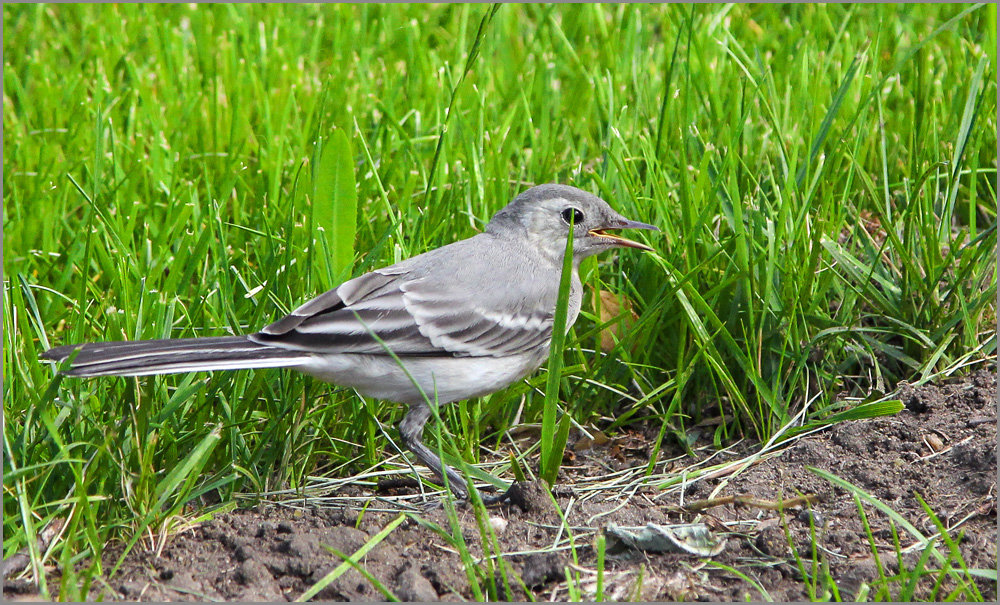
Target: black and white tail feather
169, 356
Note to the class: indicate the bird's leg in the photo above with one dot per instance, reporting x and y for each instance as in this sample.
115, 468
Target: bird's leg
412, 431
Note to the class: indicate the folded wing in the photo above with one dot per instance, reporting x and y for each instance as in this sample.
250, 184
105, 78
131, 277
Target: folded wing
407, 311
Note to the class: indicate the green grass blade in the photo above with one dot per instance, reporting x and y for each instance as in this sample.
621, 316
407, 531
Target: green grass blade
969, 113
379, 586
553, 437
831, 113
991, 34
873, 409
334, 210
187, 471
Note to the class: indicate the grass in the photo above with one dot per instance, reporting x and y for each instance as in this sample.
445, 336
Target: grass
824, 176
902, 586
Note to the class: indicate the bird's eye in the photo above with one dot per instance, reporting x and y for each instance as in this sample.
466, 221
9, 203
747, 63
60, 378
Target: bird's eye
572, 215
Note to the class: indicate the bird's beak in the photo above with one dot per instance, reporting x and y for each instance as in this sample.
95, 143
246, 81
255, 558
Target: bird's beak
621, 241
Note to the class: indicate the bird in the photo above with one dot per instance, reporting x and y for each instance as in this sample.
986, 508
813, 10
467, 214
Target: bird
457, 322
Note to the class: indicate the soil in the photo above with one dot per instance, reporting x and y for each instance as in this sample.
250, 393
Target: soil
942, 447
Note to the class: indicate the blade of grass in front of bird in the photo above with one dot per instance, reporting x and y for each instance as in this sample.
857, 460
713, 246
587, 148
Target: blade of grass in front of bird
554, 438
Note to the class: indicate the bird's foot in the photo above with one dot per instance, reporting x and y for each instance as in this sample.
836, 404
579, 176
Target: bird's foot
498, 499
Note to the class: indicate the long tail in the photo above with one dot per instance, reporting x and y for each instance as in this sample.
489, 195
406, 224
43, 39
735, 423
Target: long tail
145, 357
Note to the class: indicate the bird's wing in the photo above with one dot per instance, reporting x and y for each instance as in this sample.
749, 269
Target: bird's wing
415, 311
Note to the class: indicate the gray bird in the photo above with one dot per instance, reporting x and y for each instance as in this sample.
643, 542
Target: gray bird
461, 321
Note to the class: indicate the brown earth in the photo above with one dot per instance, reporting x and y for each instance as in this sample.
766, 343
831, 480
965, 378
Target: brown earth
942, 446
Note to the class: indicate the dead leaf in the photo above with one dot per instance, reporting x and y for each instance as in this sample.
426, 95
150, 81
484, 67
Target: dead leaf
597, 438
612, 306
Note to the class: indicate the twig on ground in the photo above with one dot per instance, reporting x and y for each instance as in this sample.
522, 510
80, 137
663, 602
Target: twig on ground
700, 505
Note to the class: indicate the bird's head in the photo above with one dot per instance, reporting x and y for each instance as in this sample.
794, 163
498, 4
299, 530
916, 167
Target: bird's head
545, 213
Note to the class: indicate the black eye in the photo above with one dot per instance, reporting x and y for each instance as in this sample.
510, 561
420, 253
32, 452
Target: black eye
572, 215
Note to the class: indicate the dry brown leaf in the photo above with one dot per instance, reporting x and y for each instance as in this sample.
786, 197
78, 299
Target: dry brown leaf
598, 438
610, 307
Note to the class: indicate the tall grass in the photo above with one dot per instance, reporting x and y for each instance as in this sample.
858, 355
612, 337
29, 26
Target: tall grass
824, 176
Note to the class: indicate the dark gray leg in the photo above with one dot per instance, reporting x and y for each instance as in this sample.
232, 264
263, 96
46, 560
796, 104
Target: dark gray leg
412, 431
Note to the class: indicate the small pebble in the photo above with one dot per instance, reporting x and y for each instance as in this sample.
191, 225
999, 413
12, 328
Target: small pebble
817, 517
771, 541
264, 529
499, 524
132, 589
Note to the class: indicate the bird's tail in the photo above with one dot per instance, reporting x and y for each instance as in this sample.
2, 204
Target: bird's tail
145, 357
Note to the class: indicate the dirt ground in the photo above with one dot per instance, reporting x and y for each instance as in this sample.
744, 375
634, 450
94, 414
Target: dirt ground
942, 446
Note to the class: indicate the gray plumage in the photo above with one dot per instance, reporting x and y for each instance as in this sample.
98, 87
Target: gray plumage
464, 320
